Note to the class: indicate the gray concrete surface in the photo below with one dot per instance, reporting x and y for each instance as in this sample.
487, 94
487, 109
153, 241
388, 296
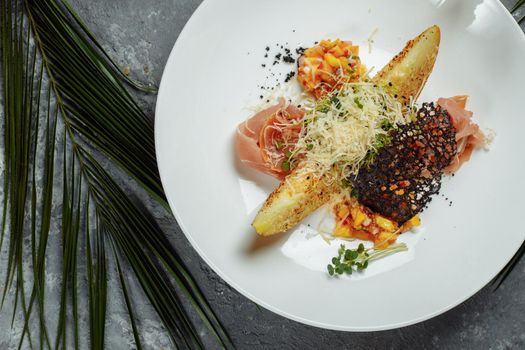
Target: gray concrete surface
139, 34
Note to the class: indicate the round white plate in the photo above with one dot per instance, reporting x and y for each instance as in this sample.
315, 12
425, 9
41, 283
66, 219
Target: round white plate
210, 84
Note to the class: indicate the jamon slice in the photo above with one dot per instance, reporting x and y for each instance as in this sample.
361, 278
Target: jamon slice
468, 134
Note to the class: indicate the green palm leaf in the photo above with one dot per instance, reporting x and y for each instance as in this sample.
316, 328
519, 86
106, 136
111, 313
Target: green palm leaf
517, 5
504, 273
84, 95
18, 123
89, 88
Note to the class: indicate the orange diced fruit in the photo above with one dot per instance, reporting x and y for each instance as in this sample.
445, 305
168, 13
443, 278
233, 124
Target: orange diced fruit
354, 50
415, 221
331, 60
358, 217
342, 231
385, 224
343, 61
384, 239
327, 44
337, 51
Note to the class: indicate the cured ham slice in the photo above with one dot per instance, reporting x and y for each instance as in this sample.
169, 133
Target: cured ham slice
468, 134
264, 140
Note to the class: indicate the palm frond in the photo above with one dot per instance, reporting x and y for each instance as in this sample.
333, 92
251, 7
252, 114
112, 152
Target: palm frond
39, 247
89, 90
129, 306
85, 31
517, 5
119, 219
97, 114
71, 199
504, 273
18, 123
97, 284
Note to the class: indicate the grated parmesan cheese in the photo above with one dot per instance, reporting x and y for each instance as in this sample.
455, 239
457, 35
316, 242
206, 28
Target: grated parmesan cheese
370, 39
342, 128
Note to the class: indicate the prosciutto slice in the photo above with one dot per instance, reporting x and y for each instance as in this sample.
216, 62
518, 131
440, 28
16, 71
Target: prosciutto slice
468, 134
257, 138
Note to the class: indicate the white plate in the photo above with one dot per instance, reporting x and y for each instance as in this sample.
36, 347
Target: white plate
209, 83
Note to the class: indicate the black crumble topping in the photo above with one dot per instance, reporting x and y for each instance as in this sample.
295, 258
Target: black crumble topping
407, 172
289, 76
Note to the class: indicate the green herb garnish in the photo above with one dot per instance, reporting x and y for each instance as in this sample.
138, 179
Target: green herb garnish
387, 125
336, 102
345, 183
358, 103
381, 141
351, 260
286, 165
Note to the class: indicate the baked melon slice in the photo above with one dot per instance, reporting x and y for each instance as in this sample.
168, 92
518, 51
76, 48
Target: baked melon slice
295, 198
406, 74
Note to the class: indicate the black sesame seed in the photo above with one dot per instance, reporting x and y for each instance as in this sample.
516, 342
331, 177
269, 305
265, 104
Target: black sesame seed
289, 76
288, 59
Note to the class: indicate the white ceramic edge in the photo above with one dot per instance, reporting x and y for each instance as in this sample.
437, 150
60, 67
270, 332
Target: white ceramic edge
270, 307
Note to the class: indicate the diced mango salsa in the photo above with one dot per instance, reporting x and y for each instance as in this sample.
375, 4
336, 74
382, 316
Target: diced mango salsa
354, 220
385, 224
358, 217
327, 66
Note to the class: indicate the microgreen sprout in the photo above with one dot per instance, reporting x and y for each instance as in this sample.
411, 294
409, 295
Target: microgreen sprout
351, 260
286, 165
358, 102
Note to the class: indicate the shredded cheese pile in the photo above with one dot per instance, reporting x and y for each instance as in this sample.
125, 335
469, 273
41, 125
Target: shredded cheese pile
342, 128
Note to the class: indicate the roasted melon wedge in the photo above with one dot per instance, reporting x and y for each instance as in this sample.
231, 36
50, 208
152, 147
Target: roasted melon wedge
300, 194
407, 73
295, 198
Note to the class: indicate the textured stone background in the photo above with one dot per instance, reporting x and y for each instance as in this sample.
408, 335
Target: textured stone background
139, 34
